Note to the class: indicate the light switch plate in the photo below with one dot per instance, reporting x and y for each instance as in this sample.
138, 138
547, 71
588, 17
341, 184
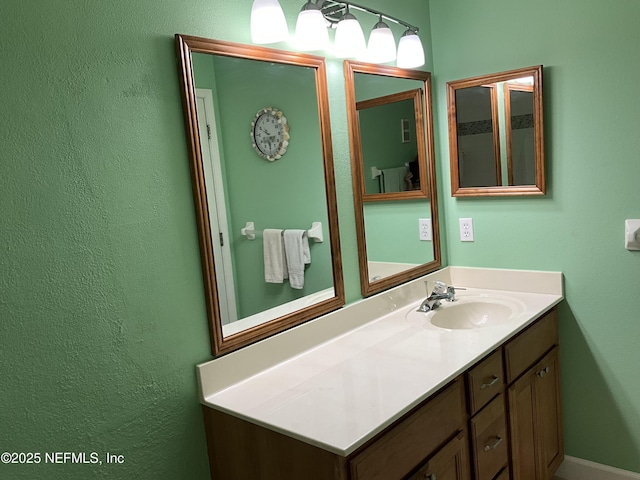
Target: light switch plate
632, 234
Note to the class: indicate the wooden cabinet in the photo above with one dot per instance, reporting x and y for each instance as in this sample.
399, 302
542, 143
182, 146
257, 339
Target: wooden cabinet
504, 475
536, 421
435, 430
489, 441
534, 404
506, 424
485, 381
450, 463
401, 449
522, 426
488, 423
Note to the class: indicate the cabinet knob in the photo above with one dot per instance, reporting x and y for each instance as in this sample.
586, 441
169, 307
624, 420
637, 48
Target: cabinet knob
494, 380
543, 372
430, 476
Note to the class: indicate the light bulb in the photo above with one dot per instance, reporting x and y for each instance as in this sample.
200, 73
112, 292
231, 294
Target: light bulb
268, 24
382, 45
349, 39
311, 29
410, 51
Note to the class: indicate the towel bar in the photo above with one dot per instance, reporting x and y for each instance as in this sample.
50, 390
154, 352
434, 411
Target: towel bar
376, 172
314, 233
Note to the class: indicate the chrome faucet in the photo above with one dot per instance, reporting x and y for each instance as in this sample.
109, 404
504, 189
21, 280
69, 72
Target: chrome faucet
440, 292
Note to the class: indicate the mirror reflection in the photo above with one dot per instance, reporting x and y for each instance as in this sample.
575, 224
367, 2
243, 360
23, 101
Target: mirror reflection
388, 224
263, 176
478, 137
495, 134
389, 143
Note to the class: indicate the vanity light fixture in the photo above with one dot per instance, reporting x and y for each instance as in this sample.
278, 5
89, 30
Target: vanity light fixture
382, 46
410, 51
349, 39
317, 16
311, 29
268, 24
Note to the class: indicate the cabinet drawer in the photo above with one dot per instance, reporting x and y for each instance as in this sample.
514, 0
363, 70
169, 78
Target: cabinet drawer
489, 440
398, 451
485, 381
525, 349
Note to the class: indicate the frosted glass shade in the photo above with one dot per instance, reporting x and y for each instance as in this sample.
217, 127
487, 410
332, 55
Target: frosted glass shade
410, 51
349, 39
382, 45
268, 24
311, 29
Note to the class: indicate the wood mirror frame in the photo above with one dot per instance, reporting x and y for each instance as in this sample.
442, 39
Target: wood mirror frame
537, 188
185, 46
428, 177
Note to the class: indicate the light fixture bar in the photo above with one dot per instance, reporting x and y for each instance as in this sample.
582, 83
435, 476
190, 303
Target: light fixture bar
330, 7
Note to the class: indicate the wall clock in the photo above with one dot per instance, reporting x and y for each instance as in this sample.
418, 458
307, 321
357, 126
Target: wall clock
270, 133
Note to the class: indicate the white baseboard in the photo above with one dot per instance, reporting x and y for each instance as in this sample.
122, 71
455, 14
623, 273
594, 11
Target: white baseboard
577, 469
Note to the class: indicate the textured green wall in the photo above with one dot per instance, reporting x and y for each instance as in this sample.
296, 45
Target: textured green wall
592, 149
102, 314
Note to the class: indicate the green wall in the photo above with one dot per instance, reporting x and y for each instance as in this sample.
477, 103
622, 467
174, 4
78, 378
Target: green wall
392, 231
592, 149
102, 314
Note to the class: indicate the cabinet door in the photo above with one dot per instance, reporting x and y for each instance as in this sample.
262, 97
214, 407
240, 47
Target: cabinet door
522, 423
450, 463
550, 445
536, 422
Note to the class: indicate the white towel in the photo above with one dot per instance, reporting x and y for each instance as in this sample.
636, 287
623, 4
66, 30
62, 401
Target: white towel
297, 254
275, 267
393, 179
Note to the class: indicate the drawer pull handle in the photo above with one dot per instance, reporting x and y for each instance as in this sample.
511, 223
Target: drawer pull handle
495, 445
543, 372
494, 380
428, 476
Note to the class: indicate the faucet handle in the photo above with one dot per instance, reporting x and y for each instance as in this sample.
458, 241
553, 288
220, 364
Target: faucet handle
451, 291
439, 287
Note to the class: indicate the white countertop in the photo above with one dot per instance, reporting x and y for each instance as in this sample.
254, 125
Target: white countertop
342, 392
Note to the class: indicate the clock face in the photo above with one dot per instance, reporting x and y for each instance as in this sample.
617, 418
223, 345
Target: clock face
270, 133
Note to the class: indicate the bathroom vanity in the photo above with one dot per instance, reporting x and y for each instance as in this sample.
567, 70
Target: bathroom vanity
397, 394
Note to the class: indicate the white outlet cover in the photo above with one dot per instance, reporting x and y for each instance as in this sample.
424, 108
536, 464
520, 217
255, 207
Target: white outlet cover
466, 229
424, 224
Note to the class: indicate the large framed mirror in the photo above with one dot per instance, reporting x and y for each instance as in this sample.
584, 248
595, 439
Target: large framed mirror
496, 134
259, 139
397, 232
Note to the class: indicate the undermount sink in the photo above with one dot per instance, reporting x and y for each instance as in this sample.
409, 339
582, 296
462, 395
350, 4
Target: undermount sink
471, 311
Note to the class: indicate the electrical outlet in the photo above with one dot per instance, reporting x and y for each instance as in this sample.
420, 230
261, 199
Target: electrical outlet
466, 229
425, 229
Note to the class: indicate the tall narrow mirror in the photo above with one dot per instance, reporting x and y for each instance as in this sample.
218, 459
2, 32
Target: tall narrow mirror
259, 139
485, 161
397, 232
